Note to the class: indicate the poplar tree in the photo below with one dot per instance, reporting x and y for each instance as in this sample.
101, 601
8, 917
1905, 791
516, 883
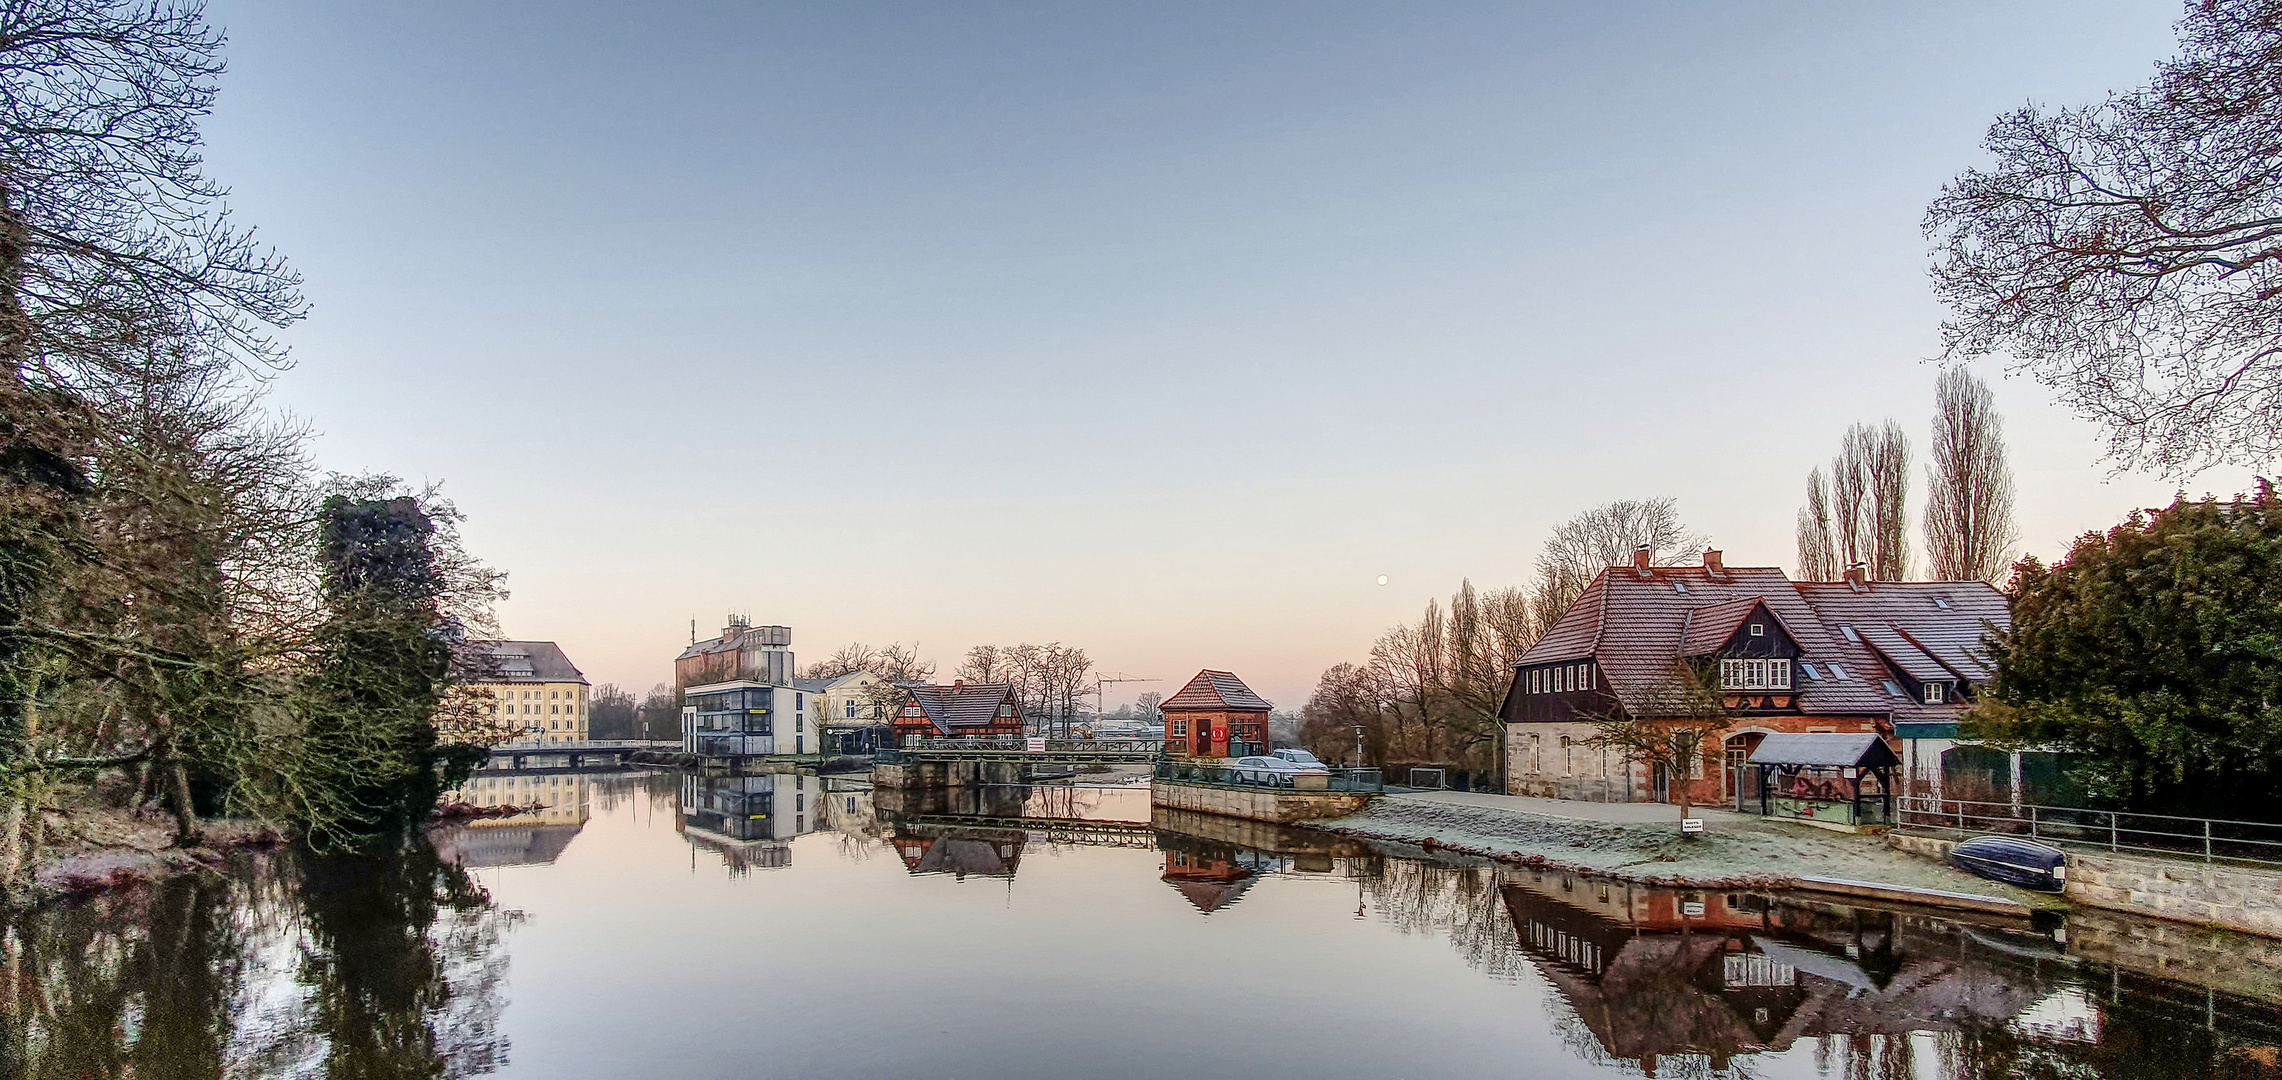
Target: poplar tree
1969, 529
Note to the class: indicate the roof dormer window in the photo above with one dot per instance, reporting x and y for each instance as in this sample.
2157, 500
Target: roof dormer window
1933, 693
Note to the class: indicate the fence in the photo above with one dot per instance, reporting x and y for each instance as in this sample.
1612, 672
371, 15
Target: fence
2208, 839
1194, 772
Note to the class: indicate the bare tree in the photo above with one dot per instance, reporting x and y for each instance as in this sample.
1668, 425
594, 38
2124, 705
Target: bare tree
1969, 529
1604, 536
1889, 461
1818, 553
2128, 254
1669, 725
1864, 518
109, 230
984, 664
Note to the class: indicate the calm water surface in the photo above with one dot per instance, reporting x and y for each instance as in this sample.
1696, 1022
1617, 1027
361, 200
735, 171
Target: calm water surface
656, 925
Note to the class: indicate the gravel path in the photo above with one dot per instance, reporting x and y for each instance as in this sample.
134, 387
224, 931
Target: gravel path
1735, 851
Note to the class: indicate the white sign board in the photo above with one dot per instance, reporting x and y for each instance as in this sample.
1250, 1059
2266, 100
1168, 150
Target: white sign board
1037, 746
1692, 909
1692, 825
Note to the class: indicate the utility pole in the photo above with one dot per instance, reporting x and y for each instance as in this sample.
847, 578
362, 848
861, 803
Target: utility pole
1101, 684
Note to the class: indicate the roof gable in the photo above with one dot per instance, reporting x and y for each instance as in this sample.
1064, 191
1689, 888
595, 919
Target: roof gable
959, 706
520, 661
1216, 690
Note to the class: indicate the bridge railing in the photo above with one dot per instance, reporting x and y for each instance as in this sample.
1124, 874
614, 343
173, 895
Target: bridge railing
1019, 742
1189, 771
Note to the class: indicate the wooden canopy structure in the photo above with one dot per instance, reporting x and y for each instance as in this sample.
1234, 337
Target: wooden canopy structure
1818, 776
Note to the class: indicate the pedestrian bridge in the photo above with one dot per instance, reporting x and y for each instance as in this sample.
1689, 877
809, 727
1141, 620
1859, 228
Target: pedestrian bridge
589, 754
1017, 750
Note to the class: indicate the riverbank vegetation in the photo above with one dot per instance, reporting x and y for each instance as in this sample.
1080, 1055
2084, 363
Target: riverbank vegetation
1430, 692
2152, 655
182, 595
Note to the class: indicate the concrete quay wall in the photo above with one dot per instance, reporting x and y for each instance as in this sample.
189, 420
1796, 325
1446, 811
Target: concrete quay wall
947, 774
1279, 805
2245, 899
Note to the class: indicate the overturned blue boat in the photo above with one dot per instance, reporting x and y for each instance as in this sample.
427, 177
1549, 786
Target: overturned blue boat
2013, 861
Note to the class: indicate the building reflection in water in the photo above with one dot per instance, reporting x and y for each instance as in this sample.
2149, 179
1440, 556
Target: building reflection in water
559, 802
1659, 973
749, 820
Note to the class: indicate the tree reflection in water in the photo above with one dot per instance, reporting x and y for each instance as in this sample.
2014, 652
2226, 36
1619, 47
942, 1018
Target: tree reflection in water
380, 965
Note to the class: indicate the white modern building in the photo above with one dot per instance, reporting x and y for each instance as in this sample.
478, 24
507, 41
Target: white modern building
745, 718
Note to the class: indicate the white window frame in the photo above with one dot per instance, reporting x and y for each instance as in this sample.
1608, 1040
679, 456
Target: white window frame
1754, 673
1178, 727
1933, 694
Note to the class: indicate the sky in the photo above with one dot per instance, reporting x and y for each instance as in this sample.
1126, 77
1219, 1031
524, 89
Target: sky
1161, 330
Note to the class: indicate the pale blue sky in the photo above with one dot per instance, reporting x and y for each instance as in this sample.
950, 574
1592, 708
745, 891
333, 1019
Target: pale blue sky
1157, 329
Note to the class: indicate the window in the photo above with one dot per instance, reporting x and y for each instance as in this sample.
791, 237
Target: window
800, 802
1536, 755
1537, 681
1568, 757
1591, 680
1006, 709
1941, 602
1836, 671
1933, 693
1754, 674
1758, 630
851, 804
1179, 727
1679, 586
1810, 669
1891, 687
851, 711
914, 710
1850, 634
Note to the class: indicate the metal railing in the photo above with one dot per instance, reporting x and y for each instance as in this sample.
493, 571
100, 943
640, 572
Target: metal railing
1198, 772
2205, 839
1022, 742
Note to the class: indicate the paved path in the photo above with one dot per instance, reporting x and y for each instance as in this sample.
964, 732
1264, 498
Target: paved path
1616, 813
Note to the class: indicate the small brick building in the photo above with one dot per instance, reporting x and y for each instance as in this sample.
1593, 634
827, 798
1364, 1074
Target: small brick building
1212, 712
933, 711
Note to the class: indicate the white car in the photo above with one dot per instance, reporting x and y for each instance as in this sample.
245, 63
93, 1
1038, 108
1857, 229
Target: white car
1272, 771
1301, 758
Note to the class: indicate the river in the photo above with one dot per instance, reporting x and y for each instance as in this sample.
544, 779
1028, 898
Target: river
650, 924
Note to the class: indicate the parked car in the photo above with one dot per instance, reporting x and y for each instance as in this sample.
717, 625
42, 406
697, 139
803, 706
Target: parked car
1272, 771
2013, 861
1301, 758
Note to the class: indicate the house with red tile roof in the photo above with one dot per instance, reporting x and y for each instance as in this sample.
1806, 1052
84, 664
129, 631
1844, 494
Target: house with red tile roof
1898, 658
931, 711
1216, 715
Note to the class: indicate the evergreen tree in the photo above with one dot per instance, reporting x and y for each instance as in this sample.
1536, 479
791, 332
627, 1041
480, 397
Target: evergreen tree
2155, 651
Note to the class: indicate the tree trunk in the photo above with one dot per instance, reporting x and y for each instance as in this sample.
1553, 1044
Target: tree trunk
178, 802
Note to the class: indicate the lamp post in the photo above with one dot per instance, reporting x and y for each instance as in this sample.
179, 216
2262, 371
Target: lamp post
1358, 746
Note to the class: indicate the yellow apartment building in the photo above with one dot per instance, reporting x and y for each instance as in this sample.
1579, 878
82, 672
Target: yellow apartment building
535, 690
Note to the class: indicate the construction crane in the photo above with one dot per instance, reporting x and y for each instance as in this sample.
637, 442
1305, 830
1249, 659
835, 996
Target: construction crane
1101, 687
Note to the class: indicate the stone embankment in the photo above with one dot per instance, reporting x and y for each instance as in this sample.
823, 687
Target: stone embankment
2241, 898
1735, 852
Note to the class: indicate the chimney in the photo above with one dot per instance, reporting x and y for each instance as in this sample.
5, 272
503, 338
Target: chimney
958, 685
1712, 564
1858, 577
1640, 560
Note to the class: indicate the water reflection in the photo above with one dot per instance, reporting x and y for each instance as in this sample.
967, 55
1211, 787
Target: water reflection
395, 964
383, 965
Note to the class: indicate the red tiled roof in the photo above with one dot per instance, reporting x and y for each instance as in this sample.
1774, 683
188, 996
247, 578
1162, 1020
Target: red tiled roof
1638, 627
958, 707
1216, 690
1708, 628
